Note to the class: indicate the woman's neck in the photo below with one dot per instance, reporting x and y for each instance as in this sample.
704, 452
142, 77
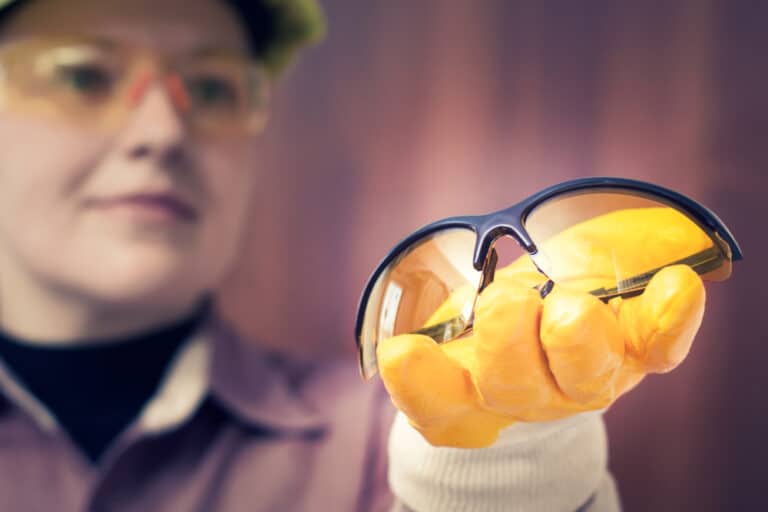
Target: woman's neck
55, 317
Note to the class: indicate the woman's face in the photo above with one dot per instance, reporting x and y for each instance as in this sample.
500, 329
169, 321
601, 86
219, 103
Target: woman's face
88, 212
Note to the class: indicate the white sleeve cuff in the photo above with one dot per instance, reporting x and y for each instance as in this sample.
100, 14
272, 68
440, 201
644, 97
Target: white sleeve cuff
555, 466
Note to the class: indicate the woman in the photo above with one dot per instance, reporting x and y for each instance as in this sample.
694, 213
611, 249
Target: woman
134, 195
129, 160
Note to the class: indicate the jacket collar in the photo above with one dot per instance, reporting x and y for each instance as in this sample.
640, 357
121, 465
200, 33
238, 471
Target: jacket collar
247, 381
255, 386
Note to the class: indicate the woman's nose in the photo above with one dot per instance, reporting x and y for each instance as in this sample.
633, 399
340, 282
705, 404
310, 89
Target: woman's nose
156, 123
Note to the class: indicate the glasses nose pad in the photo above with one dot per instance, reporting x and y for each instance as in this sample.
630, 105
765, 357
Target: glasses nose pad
542, 262
545, 288
178, 92
544, 265
489, 270
138, 87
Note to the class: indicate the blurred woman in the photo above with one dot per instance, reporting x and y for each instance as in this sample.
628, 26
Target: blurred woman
129, 156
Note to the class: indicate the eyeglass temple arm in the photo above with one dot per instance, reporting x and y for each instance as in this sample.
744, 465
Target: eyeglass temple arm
701, 262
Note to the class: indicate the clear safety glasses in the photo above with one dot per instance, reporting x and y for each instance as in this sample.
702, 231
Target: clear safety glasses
575, 234
97, 83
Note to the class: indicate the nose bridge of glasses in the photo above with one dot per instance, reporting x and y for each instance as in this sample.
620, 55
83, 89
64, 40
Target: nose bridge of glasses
155, 122
170, 82
494, 227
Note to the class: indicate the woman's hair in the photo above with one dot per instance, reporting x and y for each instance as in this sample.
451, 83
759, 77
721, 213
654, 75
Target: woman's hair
277, 29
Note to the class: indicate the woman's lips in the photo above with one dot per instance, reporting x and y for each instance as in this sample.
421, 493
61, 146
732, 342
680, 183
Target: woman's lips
153, 206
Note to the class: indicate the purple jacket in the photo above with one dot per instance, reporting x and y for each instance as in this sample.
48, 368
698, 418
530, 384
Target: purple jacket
231, 428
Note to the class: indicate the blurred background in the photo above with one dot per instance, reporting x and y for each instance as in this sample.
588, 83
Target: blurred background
413, 111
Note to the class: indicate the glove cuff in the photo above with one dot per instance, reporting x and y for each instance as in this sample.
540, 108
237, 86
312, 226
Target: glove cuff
554, 465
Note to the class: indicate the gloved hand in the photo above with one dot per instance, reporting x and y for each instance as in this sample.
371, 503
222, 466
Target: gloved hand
532, 359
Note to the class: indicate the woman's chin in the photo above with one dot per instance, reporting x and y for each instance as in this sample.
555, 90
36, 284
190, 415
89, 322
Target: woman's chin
149, 283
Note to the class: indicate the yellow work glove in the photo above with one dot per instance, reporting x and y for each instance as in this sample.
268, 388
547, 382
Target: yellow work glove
533, 359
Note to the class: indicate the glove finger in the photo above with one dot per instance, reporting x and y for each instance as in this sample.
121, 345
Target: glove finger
583, 344
510, 370
660, 324
436, 392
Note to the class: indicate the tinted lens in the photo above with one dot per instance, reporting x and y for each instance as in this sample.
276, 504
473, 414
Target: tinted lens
611, 243
429, 289
226, 93
67, 79
95, 83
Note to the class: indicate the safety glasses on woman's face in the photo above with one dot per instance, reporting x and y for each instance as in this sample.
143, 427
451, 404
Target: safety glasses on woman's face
445, 265
97, 83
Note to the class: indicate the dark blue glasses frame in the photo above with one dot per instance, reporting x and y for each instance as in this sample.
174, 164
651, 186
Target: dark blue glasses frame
511, 222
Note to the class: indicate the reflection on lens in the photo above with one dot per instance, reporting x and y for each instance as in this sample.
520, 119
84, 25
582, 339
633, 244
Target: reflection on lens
612, 243
429, 289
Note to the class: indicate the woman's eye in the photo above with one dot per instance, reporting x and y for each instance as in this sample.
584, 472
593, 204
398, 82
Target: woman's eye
213, 92
87, 80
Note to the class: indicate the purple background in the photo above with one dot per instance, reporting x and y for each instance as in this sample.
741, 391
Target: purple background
412, 111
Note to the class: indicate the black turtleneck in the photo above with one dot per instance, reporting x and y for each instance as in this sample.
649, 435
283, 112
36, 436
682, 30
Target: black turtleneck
96, 389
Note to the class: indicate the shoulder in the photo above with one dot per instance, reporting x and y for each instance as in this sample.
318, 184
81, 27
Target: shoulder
358, 416
336, 386
329, 388
312, 429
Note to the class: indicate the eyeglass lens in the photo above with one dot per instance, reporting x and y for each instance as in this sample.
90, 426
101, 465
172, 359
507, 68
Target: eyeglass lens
609, 244
85, 82
612, 243
432, 282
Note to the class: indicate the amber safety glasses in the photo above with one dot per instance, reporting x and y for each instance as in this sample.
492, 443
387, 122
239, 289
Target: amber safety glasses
429, 282
98, 83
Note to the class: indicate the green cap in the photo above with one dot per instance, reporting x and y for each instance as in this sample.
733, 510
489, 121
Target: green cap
277, 28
